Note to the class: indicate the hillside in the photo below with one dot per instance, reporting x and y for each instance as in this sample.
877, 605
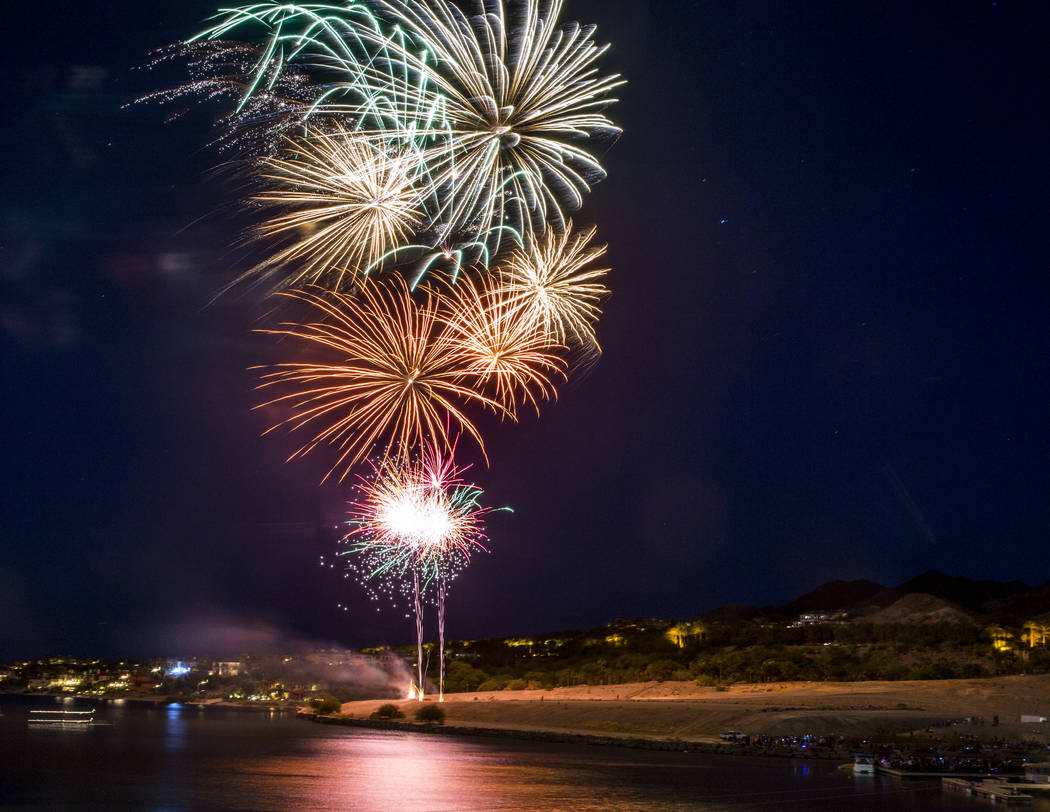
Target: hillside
1019, 606
921, 608
835, 595
926, 628
982, 601
966, 592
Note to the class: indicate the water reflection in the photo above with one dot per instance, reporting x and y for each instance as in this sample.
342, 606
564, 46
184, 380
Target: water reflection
175, 727
178, 757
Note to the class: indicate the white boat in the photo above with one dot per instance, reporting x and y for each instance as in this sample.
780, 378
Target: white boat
863, 764
62, 718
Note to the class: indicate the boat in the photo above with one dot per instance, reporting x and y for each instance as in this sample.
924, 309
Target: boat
863, 764
61, 718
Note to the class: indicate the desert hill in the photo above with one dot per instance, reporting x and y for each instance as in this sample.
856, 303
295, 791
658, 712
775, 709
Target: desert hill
931, 597
920, 608
835, 595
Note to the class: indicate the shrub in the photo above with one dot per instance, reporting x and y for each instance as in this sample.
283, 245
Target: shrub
325, 704
493, 684
516, 685
431, 714
388, 711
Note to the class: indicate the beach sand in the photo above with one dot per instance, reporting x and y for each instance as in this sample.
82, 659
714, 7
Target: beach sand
684, 711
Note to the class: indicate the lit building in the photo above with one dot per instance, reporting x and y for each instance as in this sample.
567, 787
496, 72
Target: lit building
817, 618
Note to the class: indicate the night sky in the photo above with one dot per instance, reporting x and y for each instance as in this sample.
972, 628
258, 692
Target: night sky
825, 353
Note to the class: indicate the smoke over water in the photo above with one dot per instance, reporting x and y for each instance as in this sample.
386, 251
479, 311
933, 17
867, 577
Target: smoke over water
282, 655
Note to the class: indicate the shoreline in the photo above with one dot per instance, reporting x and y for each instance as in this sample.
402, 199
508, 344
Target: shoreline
149, 700
594, 739
815, 720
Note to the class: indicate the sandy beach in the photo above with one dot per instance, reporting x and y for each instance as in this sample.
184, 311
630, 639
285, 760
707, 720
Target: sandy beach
681, 710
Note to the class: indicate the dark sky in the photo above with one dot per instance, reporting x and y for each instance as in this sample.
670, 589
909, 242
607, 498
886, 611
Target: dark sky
825, 353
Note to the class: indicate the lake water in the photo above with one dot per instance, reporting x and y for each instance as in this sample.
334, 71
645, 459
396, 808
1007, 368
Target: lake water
175, 758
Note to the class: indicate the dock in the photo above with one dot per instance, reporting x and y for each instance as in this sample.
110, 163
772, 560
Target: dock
919, 774
996, 790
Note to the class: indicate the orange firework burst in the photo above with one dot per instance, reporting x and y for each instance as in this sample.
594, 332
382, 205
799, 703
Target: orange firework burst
549, 283
514, 361
343, 202
402, 374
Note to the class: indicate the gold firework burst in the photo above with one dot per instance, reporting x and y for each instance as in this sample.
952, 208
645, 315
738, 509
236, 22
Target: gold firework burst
343, 204
400, 375
549, 284
515, 362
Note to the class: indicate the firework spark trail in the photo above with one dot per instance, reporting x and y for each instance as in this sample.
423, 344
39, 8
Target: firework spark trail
420, 687
548, 283
441, 587
399, 374
279, 106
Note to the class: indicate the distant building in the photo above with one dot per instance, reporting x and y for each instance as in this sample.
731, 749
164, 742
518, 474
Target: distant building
229, 668
1039, 773
142, 683
818, 618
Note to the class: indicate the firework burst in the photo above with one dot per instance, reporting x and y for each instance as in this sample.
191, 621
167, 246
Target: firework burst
520, 93
504, 105
549, 284
416, 523
515, 362
417, 514
344, 203
398, 375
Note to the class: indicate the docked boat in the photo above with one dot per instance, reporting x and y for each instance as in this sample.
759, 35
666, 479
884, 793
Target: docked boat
61, 718
863, 764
